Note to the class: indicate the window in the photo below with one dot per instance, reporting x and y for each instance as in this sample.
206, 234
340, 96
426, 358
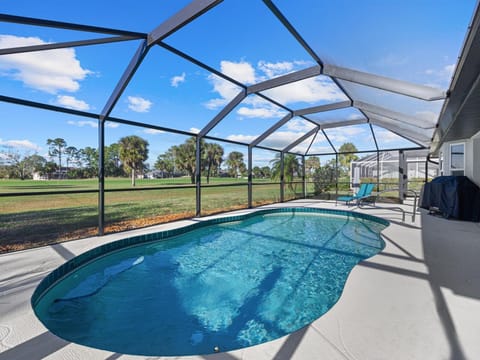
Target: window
457, 159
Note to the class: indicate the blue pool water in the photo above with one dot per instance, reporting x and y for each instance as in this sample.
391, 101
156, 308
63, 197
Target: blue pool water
218, 287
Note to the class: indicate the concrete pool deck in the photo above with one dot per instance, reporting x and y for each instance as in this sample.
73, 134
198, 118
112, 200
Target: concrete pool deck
418, 299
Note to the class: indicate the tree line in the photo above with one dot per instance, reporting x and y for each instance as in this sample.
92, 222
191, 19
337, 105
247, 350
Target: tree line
128, 156
64, 162
182, 158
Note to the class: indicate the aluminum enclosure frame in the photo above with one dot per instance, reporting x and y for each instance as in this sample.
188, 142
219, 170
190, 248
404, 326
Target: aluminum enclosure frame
406, 126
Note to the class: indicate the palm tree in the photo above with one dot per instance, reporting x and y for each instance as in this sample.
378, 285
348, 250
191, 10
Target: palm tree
311, 165
213, 158
57, 148
345, 159
291, 167
90, 161
235, 163
72, 155
266, 171
113, 166
185, 156
257, 172
133, 152
166, 163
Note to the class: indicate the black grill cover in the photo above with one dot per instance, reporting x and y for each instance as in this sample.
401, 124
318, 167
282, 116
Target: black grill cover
455, 197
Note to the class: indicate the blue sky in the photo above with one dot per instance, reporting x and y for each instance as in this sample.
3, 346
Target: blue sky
416, 41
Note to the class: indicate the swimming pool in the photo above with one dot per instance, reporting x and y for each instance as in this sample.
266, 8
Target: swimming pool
217, 285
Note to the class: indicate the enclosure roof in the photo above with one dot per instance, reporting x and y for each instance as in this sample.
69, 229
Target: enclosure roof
302, 77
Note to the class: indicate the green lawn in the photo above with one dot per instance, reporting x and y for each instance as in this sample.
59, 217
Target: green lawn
16, 186
34, 220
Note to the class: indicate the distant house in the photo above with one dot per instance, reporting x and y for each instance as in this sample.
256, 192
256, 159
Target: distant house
156, 174
387, 166
38, 176
160, 174
56, 175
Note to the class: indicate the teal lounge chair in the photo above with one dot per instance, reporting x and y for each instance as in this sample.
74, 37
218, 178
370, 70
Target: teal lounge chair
364, 192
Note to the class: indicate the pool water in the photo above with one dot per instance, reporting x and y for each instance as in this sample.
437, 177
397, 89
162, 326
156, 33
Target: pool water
218, 288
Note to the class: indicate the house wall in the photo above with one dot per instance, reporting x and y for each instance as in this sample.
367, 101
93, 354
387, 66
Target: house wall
475, 166
472, 157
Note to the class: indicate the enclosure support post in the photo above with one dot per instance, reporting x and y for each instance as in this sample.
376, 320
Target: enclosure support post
282, 179
402, 176
250, 185
304, 179
378, 171
198, 184
426, 168
336, 175
101, 176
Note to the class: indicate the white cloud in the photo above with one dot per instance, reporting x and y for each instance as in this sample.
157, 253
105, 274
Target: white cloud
112, 125
139, 104
347, 134
241, 71
246, 73
50, 71
242, 138
316, 149
281, 139
443, 75
308, 91
319, 146
91, 123
215, 103
385, 136
225, 89
312, 90
355, 116
153, 131
299, 125
255, 107
83, 123
449, 69
275, 69
271, 70
177, 80
72, 103
260, 112
300, 148
194, 130
20, 144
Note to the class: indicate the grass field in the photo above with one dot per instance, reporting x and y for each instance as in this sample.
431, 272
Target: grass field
35, 220
15, 186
